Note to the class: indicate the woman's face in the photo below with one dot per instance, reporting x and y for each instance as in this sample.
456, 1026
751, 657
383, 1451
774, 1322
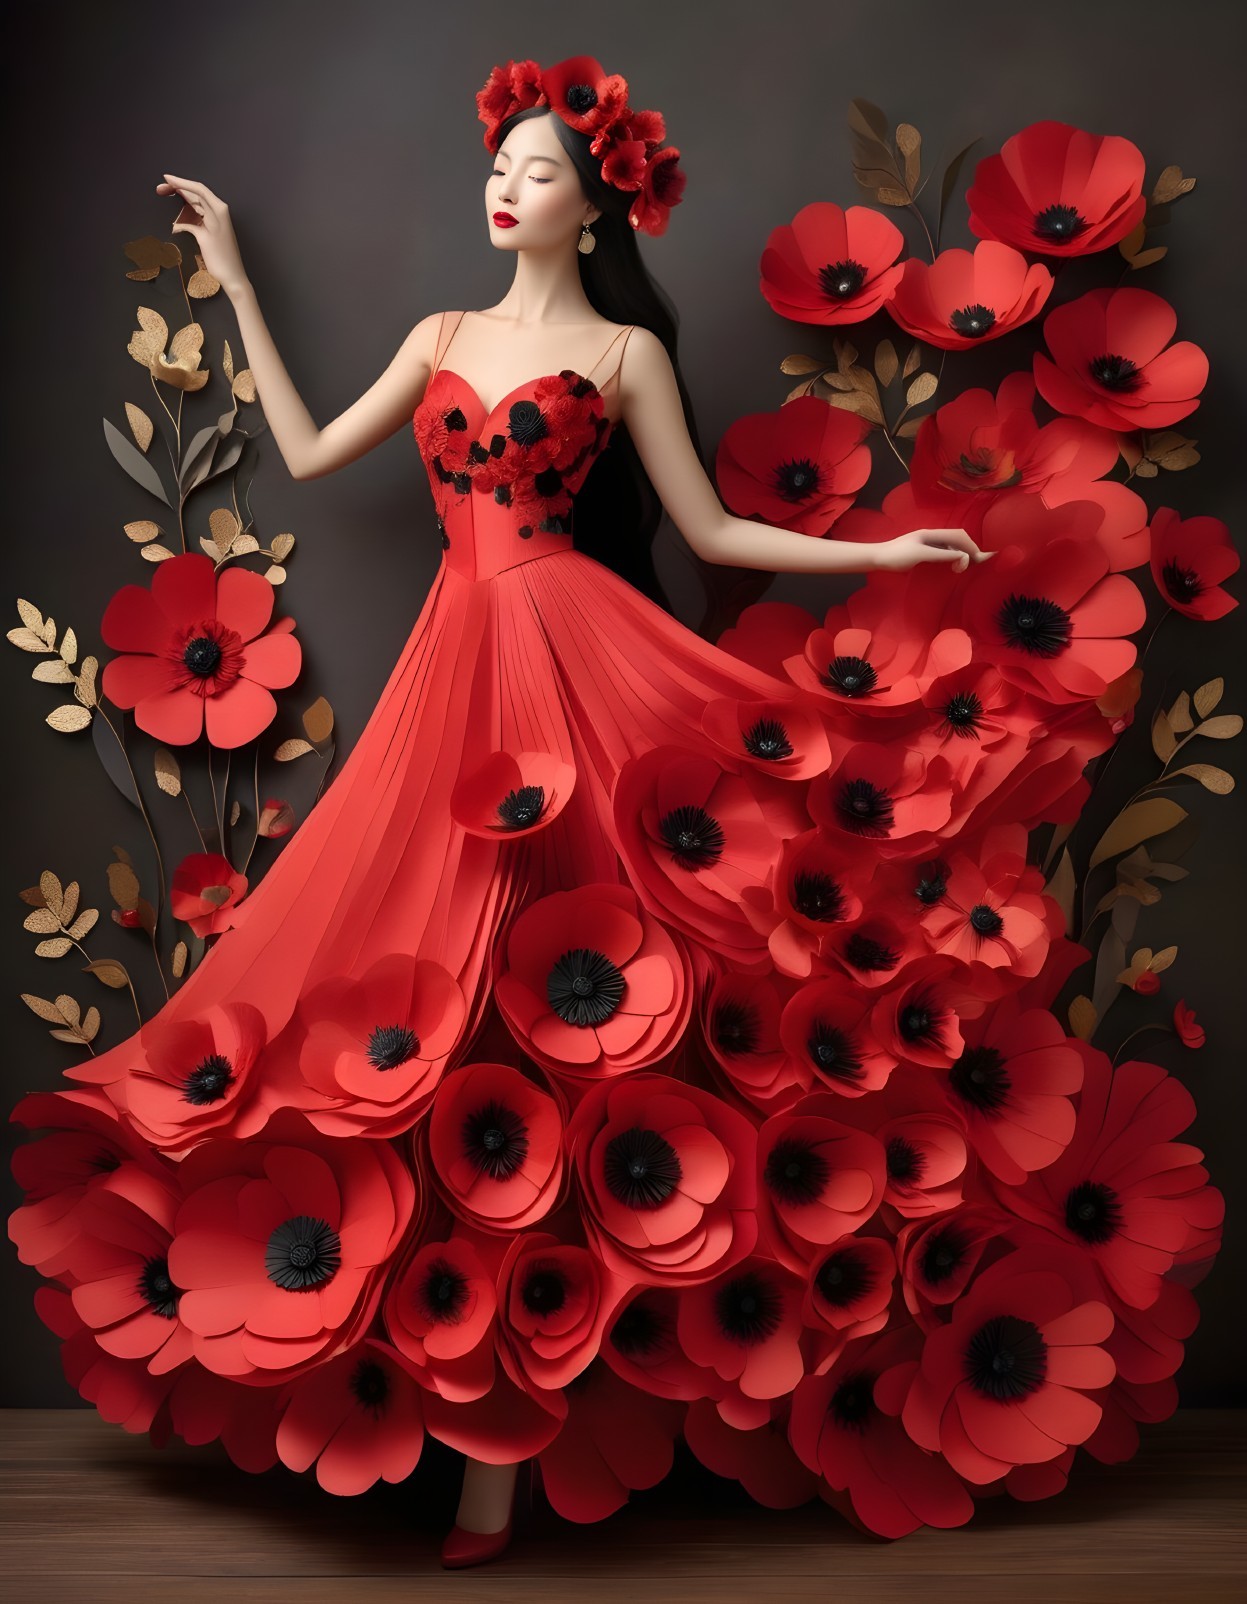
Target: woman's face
533, 179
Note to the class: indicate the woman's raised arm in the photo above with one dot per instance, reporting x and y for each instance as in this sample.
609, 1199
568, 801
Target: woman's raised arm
650, 406
308, 452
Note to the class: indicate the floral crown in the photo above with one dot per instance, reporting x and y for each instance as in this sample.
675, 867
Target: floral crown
594, 103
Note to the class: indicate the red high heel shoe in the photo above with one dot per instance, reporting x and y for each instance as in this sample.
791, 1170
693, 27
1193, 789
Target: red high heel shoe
461, 1547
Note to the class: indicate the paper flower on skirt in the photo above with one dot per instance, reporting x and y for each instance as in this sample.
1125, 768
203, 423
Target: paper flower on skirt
667, 1181
1190, 559
357, 1418
495, 1143
761, 1460
124, 1391
198, 660
783, 739
799, 467
205, 1408
280, 1244
1007, 1380
938, 1256
993, 911
740, 1027
964, 297
844, 1425
1058, 190
814, 894
848, 1291
831, 264
1112, 362
371, 1047
1124, 1193
205, 890
818, 1180
745, 1325
554, 1298
594, 986
868, 656
439, 1313
512, 794
641, 1346
825, 1030
884, 795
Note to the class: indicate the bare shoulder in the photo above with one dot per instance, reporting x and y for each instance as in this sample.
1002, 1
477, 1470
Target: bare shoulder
644, 362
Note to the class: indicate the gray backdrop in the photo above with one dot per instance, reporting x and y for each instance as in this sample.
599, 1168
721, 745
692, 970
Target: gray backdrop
346, 142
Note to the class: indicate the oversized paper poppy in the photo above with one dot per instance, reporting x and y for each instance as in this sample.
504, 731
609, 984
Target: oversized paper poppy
1054, 621
783, 739
207, 1408
848, 1291
1013, 1085
666, 1175
280, 1243
964, 297
825, 1029
695, 835
868, 656
439, 1313
761, 1459
799, 467
1191, 558
883, 796
124, 1391
1008, 1380
512, 794
814, 895
198, 658
495, 1146
745, 1325
844, 1426
975, 721
554, 1298
818, 1180
642, 1346
88, 1149
205, 891
594, 986
357, 1417
831, 264
917, 1019
1058, 190
615, 1441
993, 911
192, 1078
937, 1256
1124, 1192
740, 1027
371, 1047
1112, 362
662, 187
925, 1149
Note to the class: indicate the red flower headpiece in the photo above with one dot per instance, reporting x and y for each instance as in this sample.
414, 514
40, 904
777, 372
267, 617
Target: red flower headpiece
594, 103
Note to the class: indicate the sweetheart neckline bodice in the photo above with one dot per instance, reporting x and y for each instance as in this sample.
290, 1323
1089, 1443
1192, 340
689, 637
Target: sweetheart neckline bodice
512, 393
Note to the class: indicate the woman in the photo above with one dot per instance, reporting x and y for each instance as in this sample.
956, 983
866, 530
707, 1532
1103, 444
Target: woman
533, 639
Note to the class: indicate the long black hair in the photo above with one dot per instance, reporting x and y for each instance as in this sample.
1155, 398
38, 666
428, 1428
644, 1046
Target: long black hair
617, 509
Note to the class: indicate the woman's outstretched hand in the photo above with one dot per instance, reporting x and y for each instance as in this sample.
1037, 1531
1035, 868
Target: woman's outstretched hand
206, 216
931, 546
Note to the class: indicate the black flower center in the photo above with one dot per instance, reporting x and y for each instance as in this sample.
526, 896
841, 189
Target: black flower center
1006, 1358
695, 837
157, 1290
816, 895
864, 952
980, 1078
963, 712
735, 1026
843, 1277
302, 1252
640, 1330
1057, 222
209, 1081
767, 738
642, 1168
985, 920
972, 322
1093, 1212
1183, 584
442, 1293
370, 1385
522, 807
918, 1021
839, 281
850, 676
1034, 624
943, 1253
495, 1139
544, 1290
584, 987
526, 423
796, 1173
201, 655
932, 882
1114, 372
748, 1308
796, 479
863, 808
833, 1052
853, 1401
392, 1045
906, 1163
581, 98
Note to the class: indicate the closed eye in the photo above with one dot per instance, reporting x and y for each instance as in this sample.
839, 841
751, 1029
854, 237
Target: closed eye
498, 173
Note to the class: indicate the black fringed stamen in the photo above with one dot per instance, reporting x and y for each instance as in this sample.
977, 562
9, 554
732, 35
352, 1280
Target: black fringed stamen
522, 807
392, 1045
767, 738
864, 808
201, 655
442, 1293
209, 1081
843, 1277
495, 1139
833, 1052
748, 1308
980, 1078
816, 895
1183, 584
584, 987
302, 1252
943, 1253
853, 1402
869, 955
1093, 1212
640, 1330
906, 1163
157, 1289
642, 1168
1006, 1357
963, 713
840, 281
795, 1172
1114, 372
735, 1026
1058, 222
985, 920
850, 676
1034, 624
695, 837
932, 882
918, 1021
972, 322
544, 1291
796, 479
370, 1385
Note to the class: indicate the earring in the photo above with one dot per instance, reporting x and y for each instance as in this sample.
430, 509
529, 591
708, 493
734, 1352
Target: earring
586, 242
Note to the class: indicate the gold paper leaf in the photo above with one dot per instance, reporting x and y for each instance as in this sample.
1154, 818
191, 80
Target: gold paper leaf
224, 527
50, 890
1062, 886
886, 362
1221, 728
45, 1010
181, 953
216, 895
909, 143
69, 902
1139, 822
291, 749
275, 574
109, 971
281, 547
800, 364
57, 947
141, 426
227, 362
1170, 185
28, 640
235, 812
1184, 457
912, 361
156, 554
909, 428
201, 285
68, 717
141, 529
1147, 469
123, 883
53, 672
1208, 695
1180, 715
922, 389
42, 922
1146, 258
1082, 1018
1131, 450
85, 689
30, 616
1212, 779
69, 646
318, 721
1164, 741
244, 385
245, 544
84, 925
1162, 960
887, 196
168, 771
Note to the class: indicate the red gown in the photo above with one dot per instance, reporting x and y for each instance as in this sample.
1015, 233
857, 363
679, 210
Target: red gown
529, 1104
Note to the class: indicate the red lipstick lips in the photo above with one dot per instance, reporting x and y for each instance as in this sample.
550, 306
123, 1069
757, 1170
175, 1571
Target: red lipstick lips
505, 220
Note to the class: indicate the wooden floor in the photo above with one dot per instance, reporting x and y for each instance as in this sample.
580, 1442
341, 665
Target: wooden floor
91, 1513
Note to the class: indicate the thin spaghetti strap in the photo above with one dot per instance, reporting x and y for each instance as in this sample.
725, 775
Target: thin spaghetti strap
440, 357
622, 335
